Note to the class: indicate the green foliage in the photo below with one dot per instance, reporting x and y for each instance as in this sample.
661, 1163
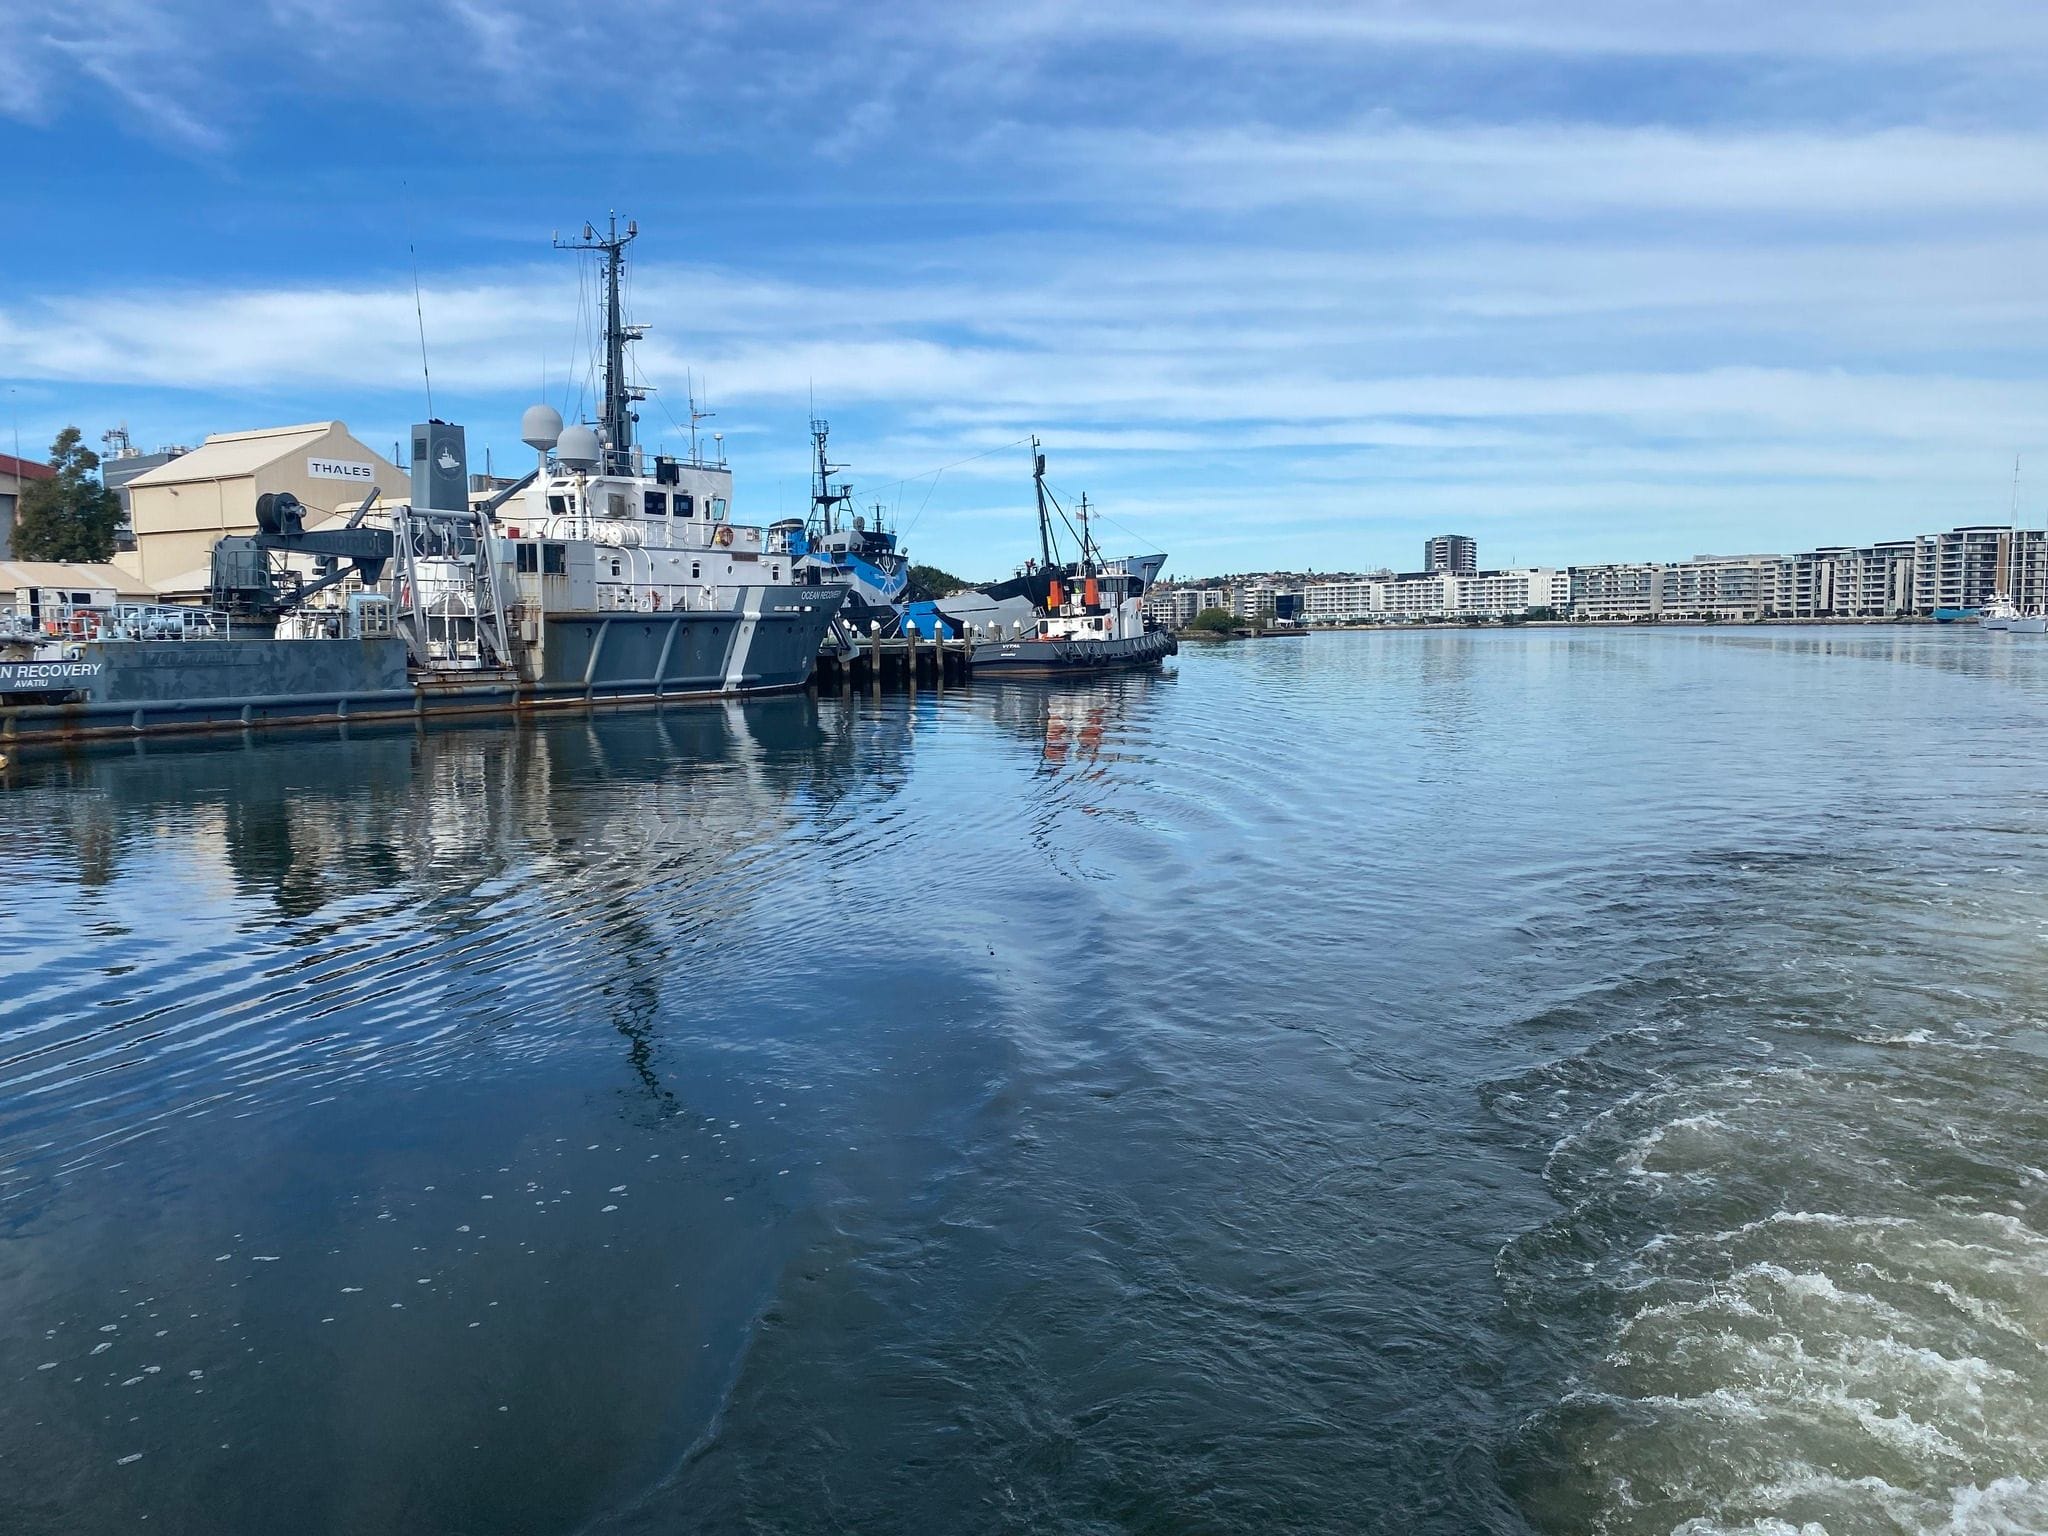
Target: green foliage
72, 517
933, 582
1214, 621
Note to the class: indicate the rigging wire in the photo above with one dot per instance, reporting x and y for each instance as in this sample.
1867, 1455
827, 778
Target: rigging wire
933, 475
418, 307
1096, 512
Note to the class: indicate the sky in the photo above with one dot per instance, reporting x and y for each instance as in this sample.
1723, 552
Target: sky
1280, 286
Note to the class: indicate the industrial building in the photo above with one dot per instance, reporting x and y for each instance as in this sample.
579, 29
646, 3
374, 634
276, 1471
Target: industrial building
15, 474
181, 508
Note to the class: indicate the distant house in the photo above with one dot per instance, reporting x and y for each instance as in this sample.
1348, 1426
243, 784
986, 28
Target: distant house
14, 474
180, 509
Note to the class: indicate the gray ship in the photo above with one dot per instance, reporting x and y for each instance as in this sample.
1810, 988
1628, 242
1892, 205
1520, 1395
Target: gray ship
603, 575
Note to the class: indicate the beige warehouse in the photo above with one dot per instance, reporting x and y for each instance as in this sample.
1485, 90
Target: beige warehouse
182, 508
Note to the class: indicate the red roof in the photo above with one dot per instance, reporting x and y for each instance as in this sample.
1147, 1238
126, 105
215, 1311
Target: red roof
24, 469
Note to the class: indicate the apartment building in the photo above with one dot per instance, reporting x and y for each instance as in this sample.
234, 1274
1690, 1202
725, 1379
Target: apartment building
1617, 592
1725, 587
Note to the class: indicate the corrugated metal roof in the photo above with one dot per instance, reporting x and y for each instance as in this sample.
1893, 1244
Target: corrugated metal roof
225, 455
15, 574
24, 469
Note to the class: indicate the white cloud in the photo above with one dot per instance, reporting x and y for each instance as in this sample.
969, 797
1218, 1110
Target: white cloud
1549, 171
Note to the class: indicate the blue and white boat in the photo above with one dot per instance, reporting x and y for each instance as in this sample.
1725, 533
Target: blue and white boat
836, 546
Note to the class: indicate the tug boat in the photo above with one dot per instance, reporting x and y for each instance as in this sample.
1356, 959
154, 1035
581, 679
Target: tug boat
1091, 618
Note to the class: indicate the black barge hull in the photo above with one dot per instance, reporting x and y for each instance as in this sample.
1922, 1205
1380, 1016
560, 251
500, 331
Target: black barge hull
1071, 658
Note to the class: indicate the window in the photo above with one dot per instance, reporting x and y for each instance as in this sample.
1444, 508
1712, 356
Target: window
616, 502
654, 503
529, 559
695, 571
775, 573
686, 504
559, 505
554, 560
717, 512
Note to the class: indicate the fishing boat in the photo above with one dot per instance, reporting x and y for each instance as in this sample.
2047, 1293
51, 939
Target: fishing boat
1091, 618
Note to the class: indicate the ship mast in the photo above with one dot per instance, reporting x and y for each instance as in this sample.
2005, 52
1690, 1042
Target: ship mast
619, 396
823, 497
1038, 488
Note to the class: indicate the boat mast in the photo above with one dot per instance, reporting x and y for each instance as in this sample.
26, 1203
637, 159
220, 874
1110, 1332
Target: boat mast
619, 396
1038, 487
823, 497
2012, 540
695, 416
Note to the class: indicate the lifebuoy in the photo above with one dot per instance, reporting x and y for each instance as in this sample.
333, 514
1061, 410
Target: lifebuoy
723, 538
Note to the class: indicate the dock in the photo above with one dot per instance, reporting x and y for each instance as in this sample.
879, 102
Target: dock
909, 660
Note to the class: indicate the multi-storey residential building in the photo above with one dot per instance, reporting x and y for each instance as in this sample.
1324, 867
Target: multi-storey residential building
1419, 595
1253, 601
1958, 569
1343, 602
1720, 587
1617, 592
1172, 607
1874, 581
1508, 594
1450, 552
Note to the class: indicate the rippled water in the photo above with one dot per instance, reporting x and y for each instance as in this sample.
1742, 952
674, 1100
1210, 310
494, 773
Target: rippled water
1431, 1082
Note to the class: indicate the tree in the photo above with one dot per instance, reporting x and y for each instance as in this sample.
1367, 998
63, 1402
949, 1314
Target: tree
1214, 621
933, 582
71, 517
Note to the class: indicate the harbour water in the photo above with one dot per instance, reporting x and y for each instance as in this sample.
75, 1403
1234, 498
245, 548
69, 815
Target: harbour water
1520, 1081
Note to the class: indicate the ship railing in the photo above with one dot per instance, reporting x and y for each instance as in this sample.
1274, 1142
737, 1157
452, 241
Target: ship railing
115, 621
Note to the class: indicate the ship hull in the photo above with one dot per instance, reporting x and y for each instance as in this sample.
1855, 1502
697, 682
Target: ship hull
128, 688
1071, 658
770, 642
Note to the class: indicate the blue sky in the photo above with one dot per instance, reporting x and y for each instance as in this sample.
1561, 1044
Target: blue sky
1279, 285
